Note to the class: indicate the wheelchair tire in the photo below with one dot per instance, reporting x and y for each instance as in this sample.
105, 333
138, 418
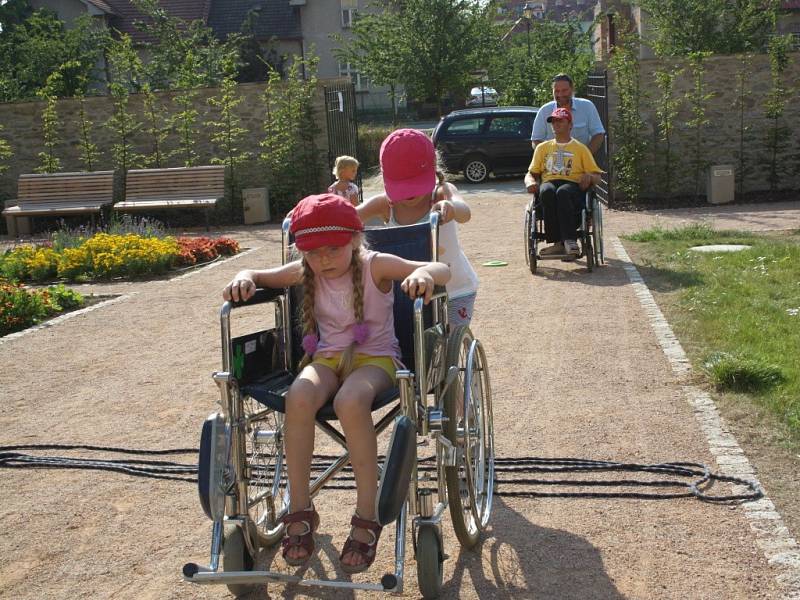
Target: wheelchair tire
267, 491
530, 240
430, 561
236, 557
597, 232
468, 407
588, 251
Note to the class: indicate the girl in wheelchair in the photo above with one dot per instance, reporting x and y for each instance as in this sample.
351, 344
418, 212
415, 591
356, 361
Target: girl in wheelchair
351, 355
413, 187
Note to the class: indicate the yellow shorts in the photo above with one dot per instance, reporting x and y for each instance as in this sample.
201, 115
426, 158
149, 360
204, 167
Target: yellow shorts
387, 363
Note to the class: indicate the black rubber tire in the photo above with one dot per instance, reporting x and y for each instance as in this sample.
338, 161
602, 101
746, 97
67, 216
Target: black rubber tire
458, 497
236, 557
430, 561
476, 169
533, 244
530, 245
588, 251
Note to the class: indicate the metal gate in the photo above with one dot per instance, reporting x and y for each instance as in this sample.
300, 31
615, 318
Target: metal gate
597, 92
340, 117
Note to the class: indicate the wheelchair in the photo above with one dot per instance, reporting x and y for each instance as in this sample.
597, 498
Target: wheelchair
446, 398
590, 232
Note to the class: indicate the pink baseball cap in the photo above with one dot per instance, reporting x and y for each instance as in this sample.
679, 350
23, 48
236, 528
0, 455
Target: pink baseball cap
408, 163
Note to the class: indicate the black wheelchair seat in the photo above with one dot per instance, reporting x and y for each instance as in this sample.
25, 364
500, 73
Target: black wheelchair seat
271, 390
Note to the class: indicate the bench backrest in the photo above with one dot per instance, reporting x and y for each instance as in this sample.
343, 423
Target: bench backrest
49, 187
179, 182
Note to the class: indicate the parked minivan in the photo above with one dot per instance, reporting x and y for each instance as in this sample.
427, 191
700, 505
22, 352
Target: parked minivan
479, 141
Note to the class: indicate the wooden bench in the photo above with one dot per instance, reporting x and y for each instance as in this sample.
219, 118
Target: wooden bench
182, 187
52, 194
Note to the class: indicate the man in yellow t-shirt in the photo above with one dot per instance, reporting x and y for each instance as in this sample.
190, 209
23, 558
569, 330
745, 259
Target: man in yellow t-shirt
560, 171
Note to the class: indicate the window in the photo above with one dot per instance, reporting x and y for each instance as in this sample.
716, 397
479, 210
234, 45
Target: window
511, 126
348, 16
465, 127
361, 82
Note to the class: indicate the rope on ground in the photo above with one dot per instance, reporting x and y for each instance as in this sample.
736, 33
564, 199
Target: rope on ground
508, 483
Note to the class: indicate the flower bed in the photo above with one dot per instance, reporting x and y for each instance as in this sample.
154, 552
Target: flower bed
21, 307
104, 256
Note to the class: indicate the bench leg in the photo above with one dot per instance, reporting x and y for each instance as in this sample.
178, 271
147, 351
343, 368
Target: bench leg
208, 219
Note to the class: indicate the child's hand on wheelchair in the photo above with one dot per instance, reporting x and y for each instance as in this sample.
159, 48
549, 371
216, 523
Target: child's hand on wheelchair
446, 209
239, 290
419, 283
586, 181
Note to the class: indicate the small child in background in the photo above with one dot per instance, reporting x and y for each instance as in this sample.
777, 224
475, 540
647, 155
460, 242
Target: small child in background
345, 170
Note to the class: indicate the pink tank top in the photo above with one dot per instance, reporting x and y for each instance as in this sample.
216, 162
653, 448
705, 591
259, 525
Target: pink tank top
333, 308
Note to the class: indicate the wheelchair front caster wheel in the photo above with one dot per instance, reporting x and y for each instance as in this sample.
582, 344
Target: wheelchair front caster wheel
430, 558
236, 557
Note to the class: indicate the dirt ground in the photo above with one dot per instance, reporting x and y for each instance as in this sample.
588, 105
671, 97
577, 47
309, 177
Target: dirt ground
576, 372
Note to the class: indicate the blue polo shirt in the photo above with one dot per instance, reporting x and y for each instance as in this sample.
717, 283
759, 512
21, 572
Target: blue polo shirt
585, 121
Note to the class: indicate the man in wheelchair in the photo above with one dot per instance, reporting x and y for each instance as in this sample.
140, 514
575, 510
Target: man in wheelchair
351, 355
561, 171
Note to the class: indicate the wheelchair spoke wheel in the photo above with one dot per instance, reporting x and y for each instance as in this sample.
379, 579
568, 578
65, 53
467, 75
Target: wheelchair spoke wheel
267, 493
236, 557
430, 559
470, 484
597, 232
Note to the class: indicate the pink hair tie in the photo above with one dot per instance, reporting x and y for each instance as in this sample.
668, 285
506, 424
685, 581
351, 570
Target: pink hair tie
360, 332
310, 343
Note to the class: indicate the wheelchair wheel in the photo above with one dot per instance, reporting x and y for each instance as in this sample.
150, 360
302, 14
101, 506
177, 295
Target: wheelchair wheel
530, 240
430, 561
597, 232
588, 251
236, 557
468, 407
267, 492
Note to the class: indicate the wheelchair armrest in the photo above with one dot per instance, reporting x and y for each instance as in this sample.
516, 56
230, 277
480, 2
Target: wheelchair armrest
261, 296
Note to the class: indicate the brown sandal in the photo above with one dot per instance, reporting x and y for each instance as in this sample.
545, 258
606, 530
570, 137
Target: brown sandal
310, 518
367, 551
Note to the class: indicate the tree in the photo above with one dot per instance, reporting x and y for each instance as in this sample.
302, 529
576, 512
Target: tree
697, 98
555, 47
289, 153
667, 106
5, 152
126, 70
35, 48
681, 27
629, 147
778, 134
49, 162
375, 51
175, 40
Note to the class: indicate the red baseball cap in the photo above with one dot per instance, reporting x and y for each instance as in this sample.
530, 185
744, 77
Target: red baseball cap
560, 113
324, 220
408, 163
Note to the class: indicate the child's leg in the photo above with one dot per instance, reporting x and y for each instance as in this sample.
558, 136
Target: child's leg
353, 404
309, 391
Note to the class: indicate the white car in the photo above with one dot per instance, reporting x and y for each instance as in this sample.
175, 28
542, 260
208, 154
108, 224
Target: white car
485, 96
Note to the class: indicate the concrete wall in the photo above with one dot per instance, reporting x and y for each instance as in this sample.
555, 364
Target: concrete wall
721, 138
22, 127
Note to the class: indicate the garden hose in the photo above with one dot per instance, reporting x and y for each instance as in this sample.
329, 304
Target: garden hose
697, 477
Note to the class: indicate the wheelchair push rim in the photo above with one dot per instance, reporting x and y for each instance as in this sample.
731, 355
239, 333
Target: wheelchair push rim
267, 491
468, 407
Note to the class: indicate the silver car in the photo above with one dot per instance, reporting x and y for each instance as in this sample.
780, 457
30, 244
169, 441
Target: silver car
484, 96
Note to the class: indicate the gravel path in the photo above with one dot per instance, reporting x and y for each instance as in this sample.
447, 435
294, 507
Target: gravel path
576, 372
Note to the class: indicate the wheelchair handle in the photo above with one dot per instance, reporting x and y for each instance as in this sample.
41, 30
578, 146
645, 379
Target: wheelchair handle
260, 296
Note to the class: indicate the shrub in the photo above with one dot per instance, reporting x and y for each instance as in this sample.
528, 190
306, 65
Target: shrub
21, 307
29, 263
226, 246
104, 256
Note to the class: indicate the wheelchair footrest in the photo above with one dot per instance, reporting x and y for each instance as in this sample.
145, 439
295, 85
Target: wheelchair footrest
396, 474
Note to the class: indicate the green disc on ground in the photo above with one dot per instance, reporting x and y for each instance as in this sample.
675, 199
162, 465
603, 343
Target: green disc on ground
495, 263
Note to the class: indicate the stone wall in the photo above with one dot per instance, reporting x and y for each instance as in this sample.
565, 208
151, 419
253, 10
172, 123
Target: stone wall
22, 127
721, 138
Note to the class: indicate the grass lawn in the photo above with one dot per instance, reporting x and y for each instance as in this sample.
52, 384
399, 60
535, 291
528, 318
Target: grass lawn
737, 314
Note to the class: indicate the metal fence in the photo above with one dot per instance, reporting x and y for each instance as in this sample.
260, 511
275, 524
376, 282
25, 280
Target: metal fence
597, 92
340, 116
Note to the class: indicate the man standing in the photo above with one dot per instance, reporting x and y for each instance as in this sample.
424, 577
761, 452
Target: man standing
561, 170
586, 125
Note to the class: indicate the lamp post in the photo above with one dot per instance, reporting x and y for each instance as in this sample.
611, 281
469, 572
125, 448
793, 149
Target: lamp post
527, 14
